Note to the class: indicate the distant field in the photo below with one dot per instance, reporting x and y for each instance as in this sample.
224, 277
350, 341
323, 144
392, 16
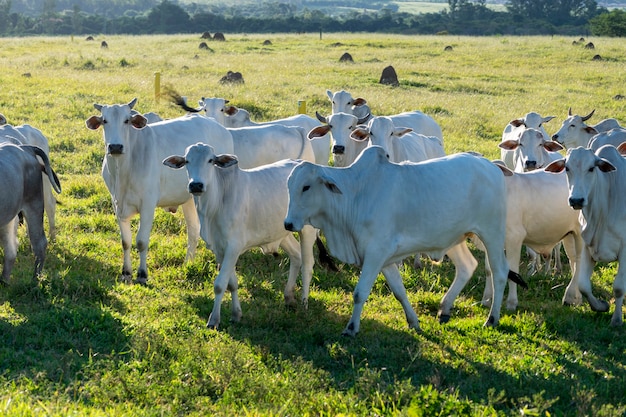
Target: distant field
80, 343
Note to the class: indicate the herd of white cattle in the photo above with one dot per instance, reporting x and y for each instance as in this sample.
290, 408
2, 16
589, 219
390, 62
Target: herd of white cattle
380, 189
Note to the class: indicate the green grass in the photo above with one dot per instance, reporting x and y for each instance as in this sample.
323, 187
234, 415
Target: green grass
77, 342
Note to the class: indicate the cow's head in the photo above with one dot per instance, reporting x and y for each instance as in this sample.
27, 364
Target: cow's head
574, 131
530, 149
115, 121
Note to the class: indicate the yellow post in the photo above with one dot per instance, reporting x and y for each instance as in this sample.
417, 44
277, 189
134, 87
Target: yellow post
157, 86
302, 106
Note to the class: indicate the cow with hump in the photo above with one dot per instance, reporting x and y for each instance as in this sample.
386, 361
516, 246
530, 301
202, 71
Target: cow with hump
597, 185
240, 209
375, 213
138, 181
21, 167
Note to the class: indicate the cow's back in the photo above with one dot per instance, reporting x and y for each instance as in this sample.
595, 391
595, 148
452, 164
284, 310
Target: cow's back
21, 181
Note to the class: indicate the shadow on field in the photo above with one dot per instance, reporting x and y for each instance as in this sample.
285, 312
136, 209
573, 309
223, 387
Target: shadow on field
55, 329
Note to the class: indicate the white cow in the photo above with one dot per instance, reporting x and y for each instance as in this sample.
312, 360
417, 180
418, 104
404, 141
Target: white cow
339, 126
29, 135
514, 127
531, 150
613, 137
400, 143
260, 145
234, 117
242, 209
539, 217
597, 185
342, 101
21, 167
375, 213
138, 181
574, 132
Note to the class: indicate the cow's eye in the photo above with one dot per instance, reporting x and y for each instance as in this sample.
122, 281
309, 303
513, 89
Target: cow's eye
566, 169
591, 169
126, 121
305, 188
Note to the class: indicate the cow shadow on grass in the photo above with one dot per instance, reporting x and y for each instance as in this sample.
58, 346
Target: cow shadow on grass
386, 354
55, 327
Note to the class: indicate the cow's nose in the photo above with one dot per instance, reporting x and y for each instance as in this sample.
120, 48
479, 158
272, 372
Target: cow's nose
576, 203
116, 149
289, 226
555, 137
530, 165
196, 187
338, 149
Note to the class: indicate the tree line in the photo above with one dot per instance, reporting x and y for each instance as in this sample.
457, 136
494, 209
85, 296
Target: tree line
462, 17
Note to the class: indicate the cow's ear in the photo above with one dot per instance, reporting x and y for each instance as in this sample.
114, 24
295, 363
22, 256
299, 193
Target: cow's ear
330, 184
604, 165
360, 134
231, 110
401, 131
359, 102
508, 145
591, 130
93, 122
505, 170
552, 146
556, 166
138, 121
225, 160
516, 122
175, 161
318, 132
622, 148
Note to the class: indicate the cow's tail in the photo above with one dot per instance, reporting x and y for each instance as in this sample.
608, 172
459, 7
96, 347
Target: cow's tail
179, 100
517, 278
52, 176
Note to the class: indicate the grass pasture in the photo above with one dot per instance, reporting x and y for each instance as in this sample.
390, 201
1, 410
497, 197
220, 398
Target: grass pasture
77, 342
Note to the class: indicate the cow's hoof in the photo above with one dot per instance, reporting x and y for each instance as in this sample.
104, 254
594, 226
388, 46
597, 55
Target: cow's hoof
444, 318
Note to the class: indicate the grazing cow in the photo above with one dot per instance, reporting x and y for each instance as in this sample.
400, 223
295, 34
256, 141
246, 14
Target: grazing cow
242, 209
342, 101
597, 185
21, 167
234, 117
138, 181
375, 213
574, 132
613, 137
400, 143
339, 126
539, 217
29, 135
531, 150
514, 127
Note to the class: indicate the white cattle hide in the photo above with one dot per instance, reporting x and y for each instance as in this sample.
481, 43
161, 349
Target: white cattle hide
574, 132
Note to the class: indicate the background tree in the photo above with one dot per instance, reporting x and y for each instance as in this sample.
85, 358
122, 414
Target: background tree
612, 23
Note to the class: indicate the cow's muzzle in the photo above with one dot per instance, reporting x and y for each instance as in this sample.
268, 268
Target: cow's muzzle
196, 187
339, 150
576, 203
116, 149
289, 226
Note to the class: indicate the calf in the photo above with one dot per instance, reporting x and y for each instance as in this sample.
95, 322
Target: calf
241, 209
23, 193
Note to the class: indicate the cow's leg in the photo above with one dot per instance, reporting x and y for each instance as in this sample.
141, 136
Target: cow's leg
308, 236
226, 280
573, 246
394, 280
513, 256
500, 267
127, 267
146, 219
369, 272
584, 270
8, 240
50, 204
556, 254
33, 214
465, 264
193, 228
292, 247
619, 287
